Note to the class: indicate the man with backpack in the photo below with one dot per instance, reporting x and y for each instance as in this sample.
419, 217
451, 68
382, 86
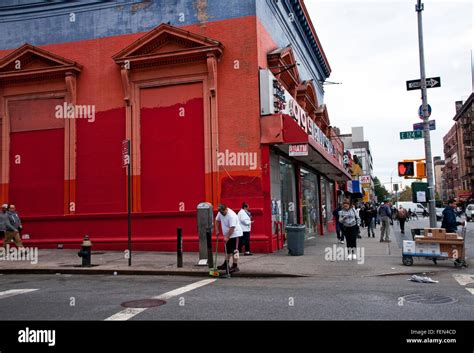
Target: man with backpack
402, 217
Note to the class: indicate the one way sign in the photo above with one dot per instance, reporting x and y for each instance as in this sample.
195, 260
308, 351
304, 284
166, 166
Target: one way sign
431, 82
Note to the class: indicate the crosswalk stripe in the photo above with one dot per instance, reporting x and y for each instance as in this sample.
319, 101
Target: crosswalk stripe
13, 292
463, 279
128, 313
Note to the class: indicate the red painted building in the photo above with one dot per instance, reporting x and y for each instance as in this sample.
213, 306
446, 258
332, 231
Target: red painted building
211, 109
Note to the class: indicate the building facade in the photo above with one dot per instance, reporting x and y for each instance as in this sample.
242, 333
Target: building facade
221, 101
464, 120
363, 173
439, 178
459, 154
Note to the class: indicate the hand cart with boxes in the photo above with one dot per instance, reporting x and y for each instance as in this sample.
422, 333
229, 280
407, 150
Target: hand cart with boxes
435, 244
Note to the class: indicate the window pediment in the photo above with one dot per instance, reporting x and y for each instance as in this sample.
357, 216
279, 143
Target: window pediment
167, 44
29, 62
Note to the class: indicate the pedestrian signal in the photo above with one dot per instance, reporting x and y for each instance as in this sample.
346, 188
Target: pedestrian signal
406, 169
421, 170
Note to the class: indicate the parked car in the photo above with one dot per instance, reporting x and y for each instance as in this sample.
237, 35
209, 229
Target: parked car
439, 213
470, 212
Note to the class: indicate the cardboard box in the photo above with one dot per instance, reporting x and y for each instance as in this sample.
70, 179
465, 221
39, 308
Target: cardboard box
435, 233
453, 251
428, 249
452, 236
409, 247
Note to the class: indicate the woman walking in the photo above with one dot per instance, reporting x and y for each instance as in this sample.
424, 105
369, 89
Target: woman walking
350, 226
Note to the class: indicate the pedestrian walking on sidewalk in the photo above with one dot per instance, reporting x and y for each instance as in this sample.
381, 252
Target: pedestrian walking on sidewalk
339, 232
402, 217
15, 218
3, 222
385, 213
232, 232
245, 219
11, 232
350, 227
449, 218
370, 216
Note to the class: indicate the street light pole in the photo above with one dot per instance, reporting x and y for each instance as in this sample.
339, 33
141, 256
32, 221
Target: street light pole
426, 130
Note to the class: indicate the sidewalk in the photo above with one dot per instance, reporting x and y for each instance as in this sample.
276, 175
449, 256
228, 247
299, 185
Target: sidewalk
380, 259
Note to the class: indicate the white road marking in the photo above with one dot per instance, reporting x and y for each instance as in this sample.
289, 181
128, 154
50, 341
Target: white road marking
464, 279
128, 313
13, 292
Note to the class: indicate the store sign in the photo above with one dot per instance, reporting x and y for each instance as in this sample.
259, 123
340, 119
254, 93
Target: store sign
125, 153
349, 186
298, 150
275, 99
356, 186
365, 179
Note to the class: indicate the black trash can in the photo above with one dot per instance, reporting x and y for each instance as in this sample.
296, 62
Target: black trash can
296, 234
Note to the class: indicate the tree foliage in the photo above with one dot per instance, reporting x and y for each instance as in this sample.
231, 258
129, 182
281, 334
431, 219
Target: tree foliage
380, 191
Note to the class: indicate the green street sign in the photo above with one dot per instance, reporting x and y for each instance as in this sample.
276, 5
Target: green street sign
405, 135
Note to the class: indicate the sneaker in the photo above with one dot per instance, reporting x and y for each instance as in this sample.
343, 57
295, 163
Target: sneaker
354, 257
223, 266
248, 253
234, 269
341, 241
349, 257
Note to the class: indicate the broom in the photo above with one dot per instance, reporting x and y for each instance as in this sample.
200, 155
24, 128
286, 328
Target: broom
213, 272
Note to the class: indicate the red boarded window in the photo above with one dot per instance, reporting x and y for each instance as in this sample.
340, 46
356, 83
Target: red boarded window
172, 147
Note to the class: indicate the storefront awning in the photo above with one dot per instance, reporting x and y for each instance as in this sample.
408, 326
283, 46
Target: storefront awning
281, 130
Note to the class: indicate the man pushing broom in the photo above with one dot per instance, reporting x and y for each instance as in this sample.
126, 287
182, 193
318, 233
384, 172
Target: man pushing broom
232, 232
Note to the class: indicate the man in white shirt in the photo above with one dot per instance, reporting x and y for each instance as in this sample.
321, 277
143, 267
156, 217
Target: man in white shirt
246, 224
232, 233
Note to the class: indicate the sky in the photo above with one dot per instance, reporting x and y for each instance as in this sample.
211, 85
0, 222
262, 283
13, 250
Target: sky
372, 48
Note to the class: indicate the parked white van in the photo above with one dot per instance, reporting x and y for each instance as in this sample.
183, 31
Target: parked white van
418, 208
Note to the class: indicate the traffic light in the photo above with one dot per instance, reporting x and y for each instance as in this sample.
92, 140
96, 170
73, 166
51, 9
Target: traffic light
421, 170
406, 169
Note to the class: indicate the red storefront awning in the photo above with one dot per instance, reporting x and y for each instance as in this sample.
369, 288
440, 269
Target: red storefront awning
281, 130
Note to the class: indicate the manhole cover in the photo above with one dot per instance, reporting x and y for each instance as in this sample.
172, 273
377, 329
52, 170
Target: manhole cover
143, 303
429, 299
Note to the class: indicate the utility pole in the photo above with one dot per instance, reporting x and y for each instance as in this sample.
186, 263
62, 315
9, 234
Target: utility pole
426, 129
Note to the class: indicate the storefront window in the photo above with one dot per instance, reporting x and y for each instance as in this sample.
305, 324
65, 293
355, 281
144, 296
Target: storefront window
327, 190
288, 192
309, 202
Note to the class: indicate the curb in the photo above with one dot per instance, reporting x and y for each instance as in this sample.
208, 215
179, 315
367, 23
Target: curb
112, 272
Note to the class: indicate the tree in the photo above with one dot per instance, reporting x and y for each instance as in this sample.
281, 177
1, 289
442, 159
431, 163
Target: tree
380, 191
406, 194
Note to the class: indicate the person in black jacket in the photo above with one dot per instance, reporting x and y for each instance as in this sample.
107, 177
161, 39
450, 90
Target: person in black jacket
339, 232
449, 218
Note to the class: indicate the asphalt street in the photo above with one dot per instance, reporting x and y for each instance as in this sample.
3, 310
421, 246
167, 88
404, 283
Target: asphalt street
338, 295
82, 297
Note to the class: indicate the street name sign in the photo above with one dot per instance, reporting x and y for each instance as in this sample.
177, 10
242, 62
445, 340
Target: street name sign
405, 135
419, 126
431, 82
